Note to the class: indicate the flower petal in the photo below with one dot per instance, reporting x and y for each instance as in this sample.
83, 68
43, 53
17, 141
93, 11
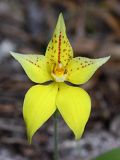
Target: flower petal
74, 105
39, 105
34, 66
81, 69
59, 49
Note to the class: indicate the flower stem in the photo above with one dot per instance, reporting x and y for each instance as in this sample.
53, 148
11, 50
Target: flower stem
56, 135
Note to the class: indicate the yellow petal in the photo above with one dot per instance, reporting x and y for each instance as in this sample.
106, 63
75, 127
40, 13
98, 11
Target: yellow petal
81, 69
34, 66
74, 105
59, 49
39, 105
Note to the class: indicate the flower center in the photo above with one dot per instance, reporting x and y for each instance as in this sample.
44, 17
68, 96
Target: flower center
59, 73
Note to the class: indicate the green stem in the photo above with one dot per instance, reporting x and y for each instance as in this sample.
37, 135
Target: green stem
56, 135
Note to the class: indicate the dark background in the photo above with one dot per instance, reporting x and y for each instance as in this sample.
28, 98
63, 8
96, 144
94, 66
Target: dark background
93, 28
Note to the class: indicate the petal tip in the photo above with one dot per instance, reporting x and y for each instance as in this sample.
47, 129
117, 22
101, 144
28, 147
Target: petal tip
61, 22
14, 54
29, 136
61, 16
105, 59
78, 136
11, 53
29, 139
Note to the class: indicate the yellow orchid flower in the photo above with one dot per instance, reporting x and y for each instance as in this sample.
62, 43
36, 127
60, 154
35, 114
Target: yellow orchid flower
58, 66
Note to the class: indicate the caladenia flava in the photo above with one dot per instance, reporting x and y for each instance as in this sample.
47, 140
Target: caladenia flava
59, 67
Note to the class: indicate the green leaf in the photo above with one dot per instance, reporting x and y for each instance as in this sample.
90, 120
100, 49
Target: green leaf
111, 155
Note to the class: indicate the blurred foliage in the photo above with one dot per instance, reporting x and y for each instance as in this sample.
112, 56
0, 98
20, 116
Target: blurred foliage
111, 155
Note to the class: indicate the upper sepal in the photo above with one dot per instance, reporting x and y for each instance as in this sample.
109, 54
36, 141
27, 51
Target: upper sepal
59, 49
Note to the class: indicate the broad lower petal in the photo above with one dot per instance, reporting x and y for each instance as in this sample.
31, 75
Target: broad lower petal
59, 49
74, 105
39, 105
81, 69
34, 66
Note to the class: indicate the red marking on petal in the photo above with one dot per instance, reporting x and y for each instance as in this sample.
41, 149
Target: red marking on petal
59, 48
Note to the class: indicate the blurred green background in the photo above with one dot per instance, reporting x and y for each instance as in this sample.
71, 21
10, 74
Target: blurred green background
93, 28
